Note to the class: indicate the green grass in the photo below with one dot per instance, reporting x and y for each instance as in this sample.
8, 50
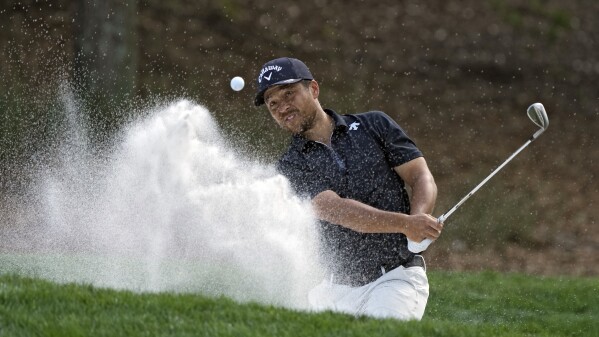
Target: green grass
461, 304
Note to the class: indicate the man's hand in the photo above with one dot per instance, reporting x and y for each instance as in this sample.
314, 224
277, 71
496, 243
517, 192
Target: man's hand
422, 226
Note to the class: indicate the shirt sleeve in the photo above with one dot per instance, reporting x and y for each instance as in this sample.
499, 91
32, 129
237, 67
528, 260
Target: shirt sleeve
398, 147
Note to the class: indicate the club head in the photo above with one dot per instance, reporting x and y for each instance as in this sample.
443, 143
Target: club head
538, 115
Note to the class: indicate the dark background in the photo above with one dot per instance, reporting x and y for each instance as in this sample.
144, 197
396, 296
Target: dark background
457, 75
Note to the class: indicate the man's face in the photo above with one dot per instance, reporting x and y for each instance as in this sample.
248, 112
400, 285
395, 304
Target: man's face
293, 106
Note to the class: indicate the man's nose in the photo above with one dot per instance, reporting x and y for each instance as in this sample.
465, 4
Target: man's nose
282, 108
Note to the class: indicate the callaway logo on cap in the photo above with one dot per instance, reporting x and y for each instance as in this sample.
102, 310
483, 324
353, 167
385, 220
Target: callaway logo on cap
279, 71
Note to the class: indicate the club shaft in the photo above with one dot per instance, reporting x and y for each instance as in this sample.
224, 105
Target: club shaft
537, 114
417, 247
446, 215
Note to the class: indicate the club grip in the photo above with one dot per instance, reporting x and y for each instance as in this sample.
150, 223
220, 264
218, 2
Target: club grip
417, 247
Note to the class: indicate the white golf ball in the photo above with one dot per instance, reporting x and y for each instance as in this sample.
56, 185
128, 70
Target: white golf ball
237, 83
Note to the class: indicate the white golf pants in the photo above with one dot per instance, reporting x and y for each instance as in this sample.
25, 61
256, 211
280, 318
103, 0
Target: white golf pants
401, 293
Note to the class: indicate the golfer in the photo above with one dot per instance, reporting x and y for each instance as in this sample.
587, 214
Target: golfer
355, 169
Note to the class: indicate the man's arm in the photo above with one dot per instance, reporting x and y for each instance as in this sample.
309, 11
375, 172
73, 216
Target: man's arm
366, 219
419, 178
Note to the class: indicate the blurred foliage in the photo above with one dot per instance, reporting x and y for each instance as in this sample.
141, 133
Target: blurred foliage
457, 75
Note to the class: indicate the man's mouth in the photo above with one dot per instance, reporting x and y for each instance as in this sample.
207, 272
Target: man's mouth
289, 117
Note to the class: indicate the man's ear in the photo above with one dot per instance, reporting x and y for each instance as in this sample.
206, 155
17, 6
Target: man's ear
314, 89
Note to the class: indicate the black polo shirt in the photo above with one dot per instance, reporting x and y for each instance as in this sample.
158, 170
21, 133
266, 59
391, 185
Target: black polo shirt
359, 165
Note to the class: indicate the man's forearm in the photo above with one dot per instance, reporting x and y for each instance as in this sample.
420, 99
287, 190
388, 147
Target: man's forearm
363, 218
424, 194
422, 184
356, 215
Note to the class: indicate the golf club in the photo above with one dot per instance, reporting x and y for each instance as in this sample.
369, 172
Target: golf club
536, 112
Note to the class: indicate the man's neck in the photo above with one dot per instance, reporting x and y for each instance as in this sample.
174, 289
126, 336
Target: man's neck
322, 130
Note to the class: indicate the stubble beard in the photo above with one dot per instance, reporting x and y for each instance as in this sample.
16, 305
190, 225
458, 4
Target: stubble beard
306, 124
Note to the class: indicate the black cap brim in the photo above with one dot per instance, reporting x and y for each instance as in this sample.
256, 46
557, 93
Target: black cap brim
260, 95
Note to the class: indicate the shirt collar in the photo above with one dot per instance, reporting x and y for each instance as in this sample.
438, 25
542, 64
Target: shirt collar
304, 144
340, 123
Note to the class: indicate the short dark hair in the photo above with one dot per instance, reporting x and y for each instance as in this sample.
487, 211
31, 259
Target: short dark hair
306, 83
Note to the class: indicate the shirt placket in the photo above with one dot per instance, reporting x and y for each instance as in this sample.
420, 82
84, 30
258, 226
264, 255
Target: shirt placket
339, 160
